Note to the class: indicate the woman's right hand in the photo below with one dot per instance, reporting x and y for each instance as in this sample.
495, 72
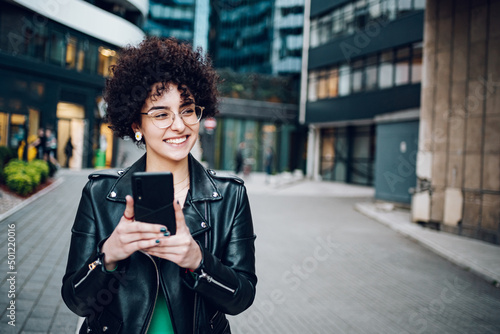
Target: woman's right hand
130, 236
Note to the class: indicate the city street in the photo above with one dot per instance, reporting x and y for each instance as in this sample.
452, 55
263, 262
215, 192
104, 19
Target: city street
322, 267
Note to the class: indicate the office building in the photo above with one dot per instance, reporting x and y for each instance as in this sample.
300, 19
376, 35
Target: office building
186, 20
256, 48
361, 92
54, 57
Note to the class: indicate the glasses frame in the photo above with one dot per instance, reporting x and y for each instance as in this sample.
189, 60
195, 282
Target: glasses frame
173, 118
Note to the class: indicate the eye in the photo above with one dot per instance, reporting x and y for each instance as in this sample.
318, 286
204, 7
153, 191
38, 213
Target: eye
187, 112
160, 115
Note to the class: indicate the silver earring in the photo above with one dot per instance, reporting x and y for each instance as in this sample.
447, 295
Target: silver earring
138, 136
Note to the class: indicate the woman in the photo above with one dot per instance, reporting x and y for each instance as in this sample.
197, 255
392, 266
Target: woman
126, 276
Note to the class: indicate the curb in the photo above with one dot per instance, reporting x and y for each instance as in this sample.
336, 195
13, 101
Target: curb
415, 232
32, 198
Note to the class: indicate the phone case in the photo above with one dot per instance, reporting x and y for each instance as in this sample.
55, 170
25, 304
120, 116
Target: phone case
153, 198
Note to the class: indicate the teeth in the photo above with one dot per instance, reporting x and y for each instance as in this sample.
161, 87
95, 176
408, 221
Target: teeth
176, 140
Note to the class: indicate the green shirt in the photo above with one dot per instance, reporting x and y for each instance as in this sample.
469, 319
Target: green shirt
161, 322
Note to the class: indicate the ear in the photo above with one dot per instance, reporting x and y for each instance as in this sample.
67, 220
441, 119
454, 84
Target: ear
136, 127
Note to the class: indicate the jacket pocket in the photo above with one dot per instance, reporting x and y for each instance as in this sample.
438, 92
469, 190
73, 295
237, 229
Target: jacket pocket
106, 323
219, 324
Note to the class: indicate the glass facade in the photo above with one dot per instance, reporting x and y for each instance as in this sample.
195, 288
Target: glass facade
242, 37
357, 15
287, 40
50, 67
174, 18
40, 39
386, 69
348, 154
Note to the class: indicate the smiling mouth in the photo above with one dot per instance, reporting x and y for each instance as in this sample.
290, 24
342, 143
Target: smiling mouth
176, 140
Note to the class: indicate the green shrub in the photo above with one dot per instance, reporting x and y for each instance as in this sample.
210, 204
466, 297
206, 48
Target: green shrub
20, 183
23, 178
43, 168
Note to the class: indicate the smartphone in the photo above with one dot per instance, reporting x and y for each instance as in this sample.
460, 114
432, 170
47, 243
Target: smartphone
153, 194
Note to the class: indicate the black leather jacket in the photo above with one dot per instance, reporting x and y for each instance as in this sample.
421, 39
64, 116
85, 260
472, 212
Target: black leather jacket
218, 215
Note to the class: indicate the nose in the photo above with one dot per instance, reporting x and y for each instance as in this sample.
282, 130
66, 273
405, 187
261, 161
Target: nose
178, 124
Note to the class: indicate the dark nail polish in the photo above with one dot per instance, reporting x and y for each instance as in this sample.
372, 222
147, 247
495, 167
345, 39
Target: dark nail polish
157, 241
163, 229
178, 202
166, 234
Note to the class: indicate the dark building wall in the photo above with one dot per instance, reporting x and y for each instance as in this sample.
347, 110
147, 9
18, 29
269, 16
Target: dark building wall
364, 105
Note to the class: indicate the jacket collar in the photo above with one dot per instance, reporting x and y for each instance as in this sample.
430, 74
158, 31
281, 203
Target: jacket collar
202, 186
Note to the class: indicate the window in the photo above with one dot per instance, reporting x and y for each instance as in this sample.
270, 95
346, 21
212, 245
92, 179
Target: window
371, 73
314, 33
404, 6
357, 76
349, 18
390, 68
337, 22
390, 9
107, 57
322, 85
57, 52
81, 56
333, 83
91, 58
344, 80
312, 86
419, 4
416, 65
71, 52
385, 70
357, 15
402, 66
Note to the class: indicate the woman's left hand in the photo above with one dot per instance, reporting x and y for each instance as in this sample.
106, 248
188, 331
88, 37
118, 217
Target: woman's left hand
180, 248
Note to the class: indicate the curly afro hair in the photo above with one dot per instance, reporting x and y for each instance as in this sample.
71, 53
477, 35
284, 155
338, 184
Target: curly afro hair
153, 64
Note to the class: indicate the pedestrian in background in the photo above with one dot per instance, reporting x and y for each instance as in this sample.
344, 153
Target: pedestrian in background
39, 144
155, 282
239, 158
268, 163
68, 151
50, 152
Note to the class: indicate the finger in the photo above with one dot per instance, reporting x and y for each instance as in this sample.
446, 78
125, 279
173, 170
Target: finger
179, 217
143, 245
141, 227
129, 208
134, 237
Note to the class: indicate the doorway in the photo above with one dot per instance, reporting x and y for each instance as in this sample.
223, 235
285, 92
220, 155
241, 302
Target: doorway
70, 134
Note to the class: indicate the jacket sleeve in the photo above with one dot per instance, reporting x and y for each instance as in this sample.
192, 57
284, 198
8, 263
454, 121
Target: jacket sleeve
87, 286
229, 283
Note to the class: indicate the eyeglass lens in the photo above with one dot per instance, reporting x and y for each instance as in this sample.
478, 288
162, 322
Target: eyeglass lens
165, 118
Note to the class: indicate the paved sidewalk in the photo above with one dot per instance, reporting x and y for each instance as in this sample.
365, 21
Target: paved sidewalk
479, 257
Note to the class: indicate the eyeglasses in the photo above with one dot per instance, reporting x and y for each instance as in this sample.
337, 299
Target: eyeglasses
163, 118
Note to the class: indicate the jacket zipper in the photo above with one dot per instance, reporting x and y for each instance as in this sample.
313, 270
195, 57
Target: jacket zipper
210, 279
212, 320
157, 289
92, 266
